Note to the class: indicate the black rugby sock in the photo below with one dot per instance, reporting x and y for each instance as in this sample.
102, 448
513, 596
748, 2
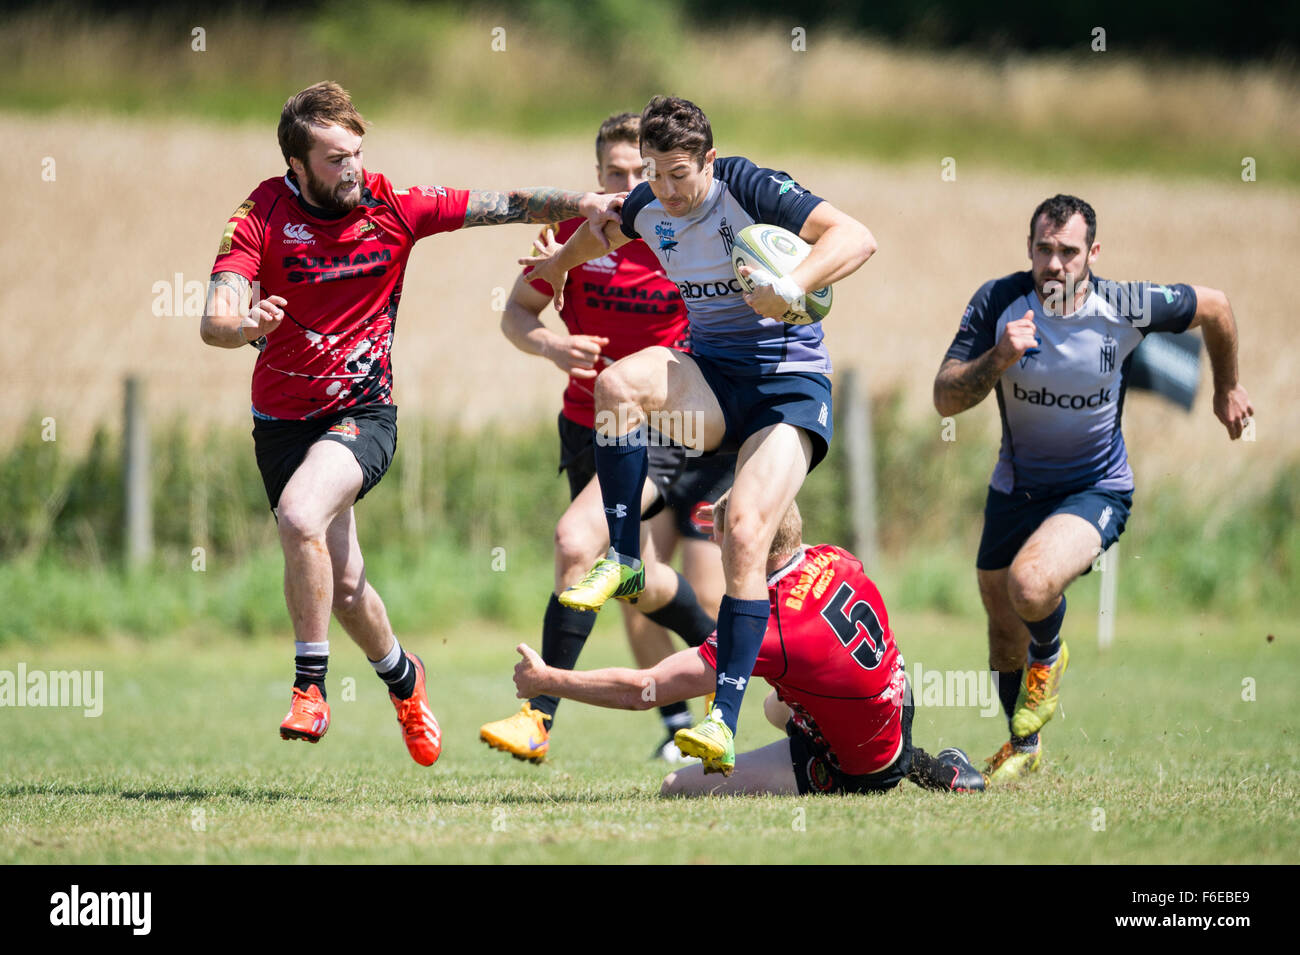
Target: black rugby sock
1046, 635
564, 633
684, 616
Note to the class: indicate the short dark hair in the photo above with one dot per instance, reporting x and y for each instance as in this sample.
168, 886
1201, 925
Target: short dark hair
670, 122
619, 128
324, 104
1060, 209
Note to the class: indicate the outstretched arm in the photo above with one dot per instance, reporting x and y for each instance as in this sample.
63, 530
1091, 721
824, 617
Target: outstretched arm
677, 677
964, 384
1214, 315
541, 204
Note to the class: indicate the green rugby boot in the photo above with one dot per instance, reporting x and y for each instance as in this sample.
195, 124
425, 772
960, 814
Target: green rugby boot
711, 742
610, 577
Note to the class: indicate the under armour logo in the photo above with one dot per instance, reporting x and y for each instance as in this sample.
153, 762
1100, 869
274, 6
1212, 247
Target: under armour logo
618, 510
737, 681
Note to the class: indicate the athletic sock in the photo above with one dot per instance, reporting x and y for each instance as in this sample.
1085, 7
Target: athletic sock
622, 464
564, 631
741, 625
1045, 645
684, 616
397, 670
676, 716
1009, 690
310, 662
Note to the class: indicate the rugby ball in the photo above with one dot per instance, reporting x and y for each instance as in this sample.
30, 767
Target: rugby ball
778, 251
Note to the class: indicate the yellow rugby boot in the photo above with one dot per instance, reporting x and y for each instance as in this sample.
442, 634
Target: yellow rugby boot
1038, 695
1009, 764
711, 742
610, 577
523, 735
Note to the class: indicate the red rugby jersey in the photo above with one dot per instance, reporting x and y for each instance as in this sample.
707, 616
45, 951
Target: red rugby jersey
623, 296
342, 279
830, 654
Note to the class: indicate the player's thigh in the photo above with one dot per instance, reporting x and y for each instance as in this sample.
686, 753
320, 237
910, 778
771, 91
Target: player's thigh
1061, 549
323, 486
766, 770
702, 566
770, 470
668, 384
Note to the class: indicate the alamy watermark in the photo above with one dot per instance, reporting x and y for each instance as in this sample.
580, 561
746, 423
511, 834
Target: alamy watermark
71, 688
658, 429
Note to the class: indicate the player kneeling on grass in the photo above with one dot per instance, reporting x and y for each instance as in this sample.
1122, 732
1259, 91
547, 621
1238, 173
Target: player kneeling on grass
840, 686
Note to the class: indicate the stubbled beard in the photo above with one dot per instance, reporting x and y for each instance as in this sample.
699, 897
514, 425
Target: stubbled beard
329, 199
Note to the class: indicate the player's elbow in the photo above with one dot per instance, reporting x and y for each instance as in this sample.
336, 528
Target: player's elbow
868, 245
208, 332
943, 402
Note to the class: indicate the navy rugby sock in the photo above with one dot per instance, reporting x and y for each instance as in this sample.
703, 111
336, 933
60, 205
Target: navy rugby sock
741, 625
1008, 689
564, 632
622, 465
1046, 634
684, 616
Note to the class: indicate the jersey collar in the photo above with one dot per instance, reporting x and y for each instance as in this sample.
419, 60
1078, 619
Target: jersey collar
316, 212
788, 567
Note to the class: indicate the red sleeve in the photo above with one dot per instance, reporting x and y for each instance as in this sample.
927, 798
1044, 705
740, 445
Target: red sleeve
432, 209
563, 232
241, 242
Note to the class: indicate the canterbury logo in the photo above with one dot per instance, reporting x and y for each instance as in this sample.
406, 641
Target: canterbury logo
296, 232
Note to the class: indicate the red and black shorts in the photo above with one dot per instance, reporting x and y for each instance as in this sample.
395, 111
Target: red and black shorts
815, 770
368, 431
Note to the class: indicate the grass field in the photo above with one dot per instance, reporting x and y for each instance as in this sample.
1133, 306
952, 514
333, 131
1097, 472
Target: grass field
1156, 759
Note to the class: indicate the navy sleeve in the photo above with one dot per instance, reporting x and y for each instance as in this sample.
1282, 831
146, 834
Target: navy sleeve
978, 331
768, 196
1149, 307
636, 200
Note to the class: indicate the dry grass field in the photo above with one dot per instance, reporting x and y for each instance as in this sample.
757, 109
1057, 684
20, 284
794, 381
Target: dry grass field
135, 202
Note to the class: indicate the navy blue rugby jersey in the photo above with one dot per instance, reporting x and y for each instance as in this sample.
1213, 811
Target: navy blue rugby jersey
695, 251
1061, 407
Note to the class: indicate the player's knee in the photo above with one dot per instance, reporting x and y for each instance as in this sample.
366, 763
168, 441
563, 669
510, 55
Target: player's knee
297, 520
616, 388
1030, 591
575, 542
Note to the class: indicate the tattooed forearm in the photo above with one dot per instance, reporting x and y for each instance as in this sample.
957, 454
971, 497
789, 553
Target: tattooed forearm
229, 299
542, 205
964, 384
237, 283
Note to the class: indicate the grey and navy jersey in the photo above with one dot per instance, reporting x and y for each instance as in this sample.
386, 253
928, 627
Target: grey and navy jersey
1061, 407
696, 254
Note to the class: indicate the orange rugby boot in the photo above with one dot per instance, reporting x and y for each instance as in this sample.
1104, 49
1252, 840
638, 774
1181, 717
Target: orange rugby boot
309, 716
419, 728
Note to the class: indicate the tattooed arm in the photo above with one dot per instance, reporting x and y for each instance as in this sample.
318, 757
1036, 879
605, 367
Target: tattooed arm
541, 205
964, 384
228, 322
